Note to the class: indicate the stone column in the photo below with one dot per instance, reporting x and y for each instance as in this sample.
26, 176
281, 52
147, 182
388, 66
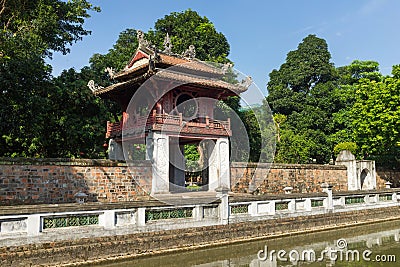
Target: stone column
157, 145
347, 159
219, 171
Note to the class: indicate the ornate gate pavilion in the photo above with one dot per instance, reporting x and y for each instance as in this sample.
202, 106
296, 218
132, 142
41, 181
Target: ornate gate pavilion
167, 101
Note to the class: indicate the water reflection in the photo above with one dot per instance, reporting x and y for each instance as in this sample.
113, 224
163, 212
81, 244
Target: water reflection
381, 239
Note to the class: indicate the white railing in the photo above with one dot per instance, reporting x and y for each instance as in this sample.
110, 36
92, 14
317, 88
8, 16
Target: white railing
174, 217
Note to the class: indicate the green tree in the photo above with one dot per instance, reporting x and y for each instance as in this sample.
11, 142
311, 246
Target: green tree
375, 118
302, 91
189, 28
78, 118
30, 31
345, 97
117, 57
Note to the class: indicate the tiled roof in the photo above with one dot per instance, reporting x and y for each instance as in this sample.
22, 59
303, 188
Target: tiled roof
179, 77
170, 67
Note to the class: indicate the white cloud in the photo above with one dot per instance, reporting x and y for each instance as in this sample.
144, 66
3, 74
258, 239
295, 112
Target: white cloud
371, 6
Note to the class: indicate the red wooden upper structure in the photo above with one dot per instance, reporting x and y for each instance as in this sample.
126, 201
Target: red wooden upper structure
192, 81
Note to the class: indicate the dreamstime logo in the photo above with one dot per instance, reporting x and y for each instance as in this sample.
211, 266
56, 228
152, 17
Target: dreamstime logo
175, 106
338, 253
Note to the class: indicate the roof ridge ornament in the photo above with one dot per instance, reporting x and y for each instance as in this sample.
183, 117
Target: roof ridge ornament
167, 45
246, 82
190, 52
94, 87
143, 43
110, 72
226, 67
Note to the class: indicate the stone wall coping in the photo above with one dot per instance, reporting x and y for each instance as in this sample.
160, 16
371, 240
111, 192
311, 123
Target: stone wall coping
149, 202
72, 162
287, 166
144, 202
73, 207
114, 163
366, 192
235, 198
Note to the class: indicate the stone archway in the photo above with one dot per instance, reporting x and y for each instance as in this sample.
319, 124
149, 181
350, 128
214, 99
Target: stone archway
361, 174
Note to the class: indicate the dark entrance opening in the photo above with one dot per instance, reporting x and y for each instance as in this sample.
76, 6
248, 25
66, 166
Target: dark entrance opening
188, 167
363, 175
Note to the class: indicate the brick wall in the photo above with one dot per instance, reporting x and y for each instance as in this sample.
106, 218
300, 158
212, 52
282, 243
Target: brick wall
32, 181
384, 175
82, 250
272, 178
27, 181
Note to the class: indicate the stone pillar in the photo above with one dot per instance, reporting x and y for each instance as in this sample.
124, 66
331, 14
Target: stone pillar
107, 219
307, 204
33, 225
157, 146
141, 217
115, 151
222, 193
347, 159
198, 213
219, 171
327, 188
253, 209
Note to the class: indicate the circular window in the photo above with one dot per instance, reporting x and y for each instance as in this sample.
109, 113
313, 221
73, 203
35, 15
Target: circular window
186, 105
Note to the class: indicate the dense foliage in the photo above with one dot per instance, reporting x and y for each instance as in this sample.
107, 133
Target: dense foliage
318, 109
30, 31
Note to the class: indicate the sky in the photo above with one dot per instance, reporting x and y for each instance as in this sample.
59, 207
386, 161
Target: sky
260, 33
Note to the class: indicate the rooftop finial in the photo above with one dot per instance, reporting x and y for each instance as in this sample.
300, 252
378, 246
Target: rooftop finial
110, 72
167, 45
190, 52
143, 43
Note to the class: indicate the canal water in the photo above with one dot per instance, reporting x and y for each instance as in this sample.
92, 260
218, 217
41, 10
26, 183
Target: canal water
367, 245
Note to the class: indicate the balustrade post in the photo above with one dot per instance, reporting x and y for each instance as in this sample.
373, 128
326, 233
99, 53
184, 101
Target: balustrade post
198, 213
180, 119
394, 197
307, 205
222, 193
327, 188
141, 217
33, 225
107, 219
